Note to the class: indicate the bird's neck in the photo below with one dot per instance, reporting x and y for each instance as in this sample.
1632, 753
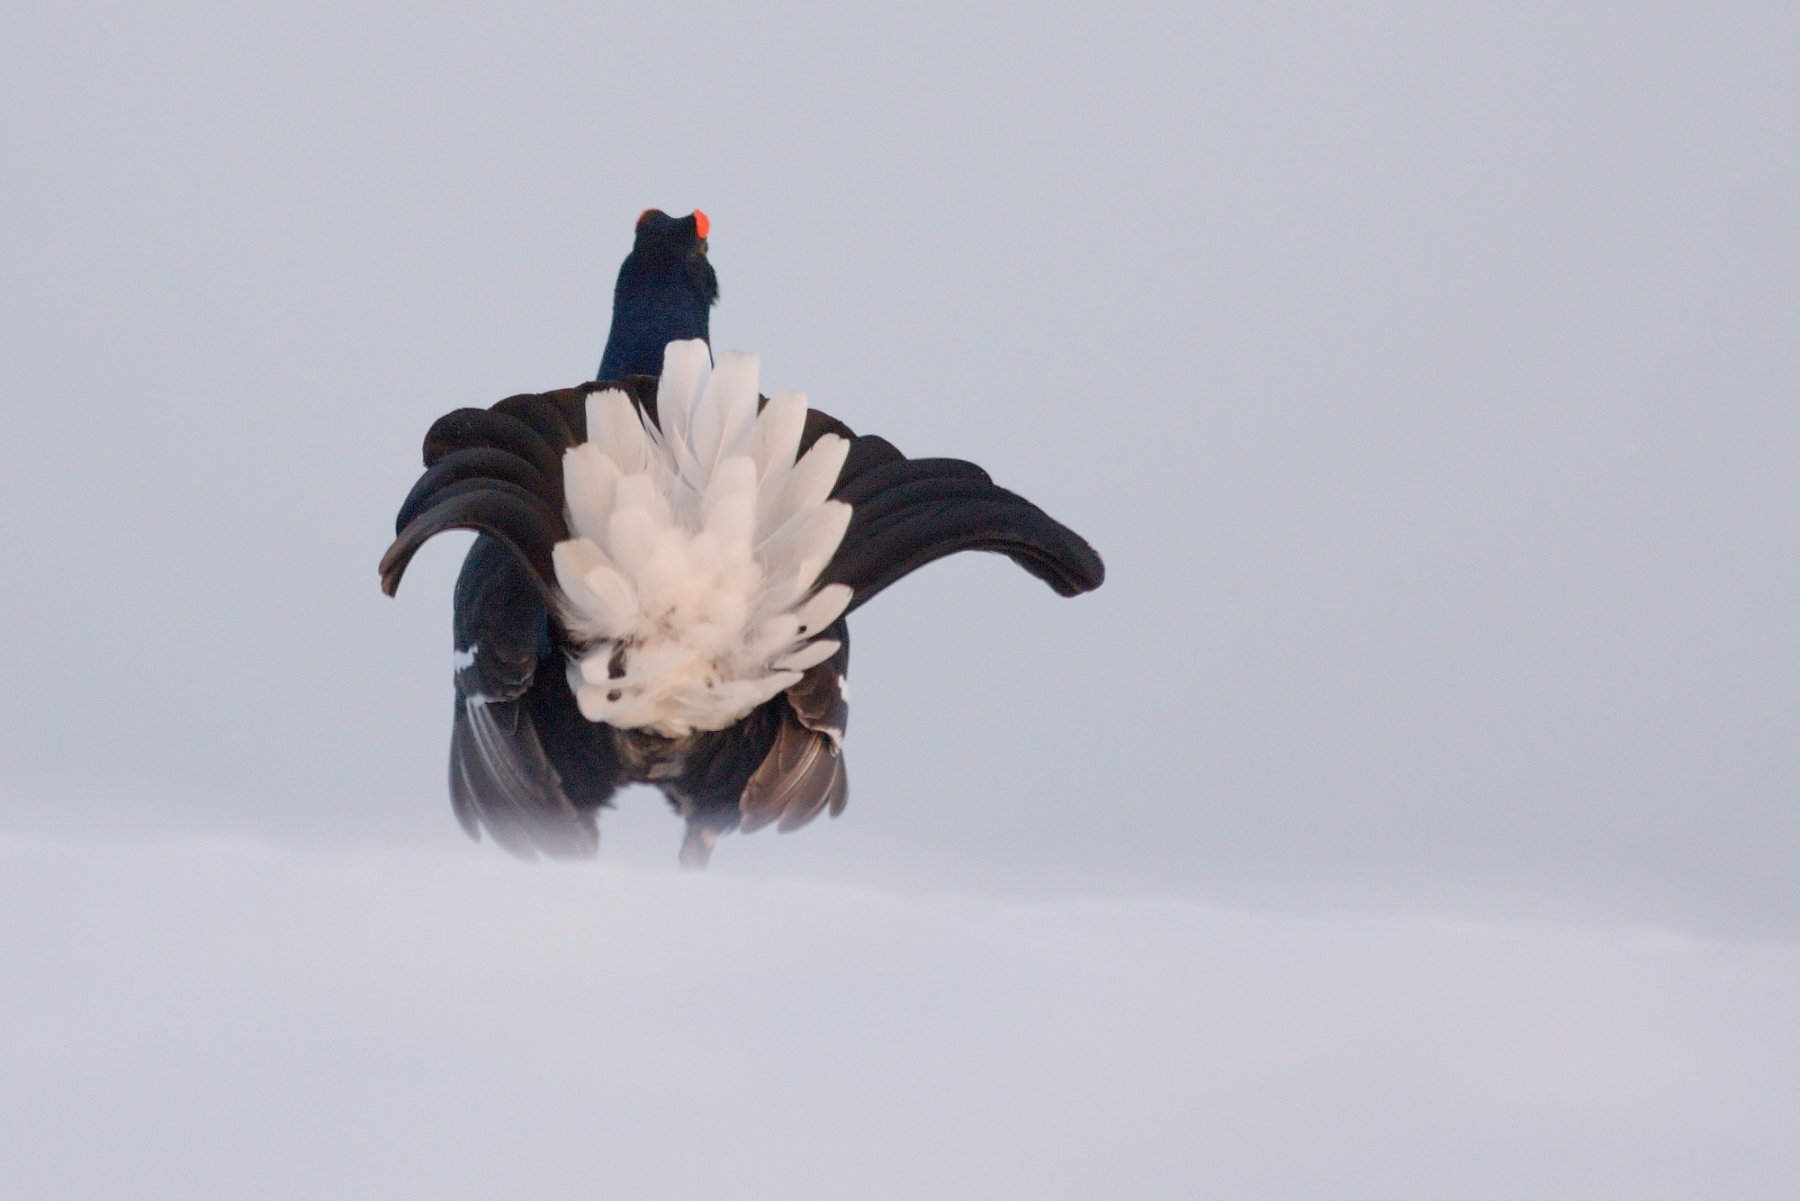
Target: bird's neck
648, 314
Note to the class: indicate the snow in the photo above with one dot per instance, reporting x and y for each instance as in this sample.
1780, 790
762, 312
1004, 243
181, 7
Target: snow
225, 1020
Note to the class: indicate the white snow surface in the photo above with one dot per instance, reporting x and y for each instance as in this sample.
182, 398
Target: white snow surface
696, 546
227, 1021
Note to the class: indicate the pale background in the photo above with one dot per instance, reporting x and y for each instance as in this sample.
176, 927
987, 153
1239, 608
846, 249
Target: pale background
1425, 375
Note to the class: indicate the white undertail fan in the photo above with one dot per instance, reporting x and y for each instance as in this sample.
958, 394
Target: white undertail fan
661, 588
696, 541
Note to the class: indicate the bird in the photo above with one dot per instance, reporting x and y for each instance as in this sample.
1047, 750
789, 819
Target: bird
664, 567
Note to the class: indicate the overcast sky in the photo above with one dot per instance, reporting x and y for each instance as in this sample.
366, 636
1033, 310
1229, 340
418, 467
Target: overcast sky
1427, 380
1426, 376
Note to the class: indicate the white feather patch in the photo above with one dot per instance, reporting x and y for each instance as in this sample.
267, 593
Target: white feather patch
810, 655
696, 543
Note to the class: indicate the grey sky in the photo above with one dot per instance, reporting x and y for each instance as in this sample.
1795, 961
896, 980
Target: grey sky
1425, 377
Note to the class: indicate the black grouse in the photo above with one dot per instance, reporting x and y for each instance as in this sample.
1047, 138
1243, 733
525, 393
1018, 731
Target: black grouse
664, 566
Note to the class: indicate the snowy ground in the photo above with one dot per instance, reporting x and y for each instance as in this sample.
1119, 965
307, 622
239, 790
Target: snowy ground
215, 1020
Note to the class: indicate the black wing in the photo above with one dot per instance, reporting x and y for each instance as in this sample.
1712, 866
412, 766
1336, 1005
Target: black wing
803, 773
498, 472
906, 513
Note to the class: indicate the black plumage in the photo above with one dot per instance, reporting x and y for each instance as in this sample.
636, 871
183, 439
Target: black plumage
525, 764
665, 293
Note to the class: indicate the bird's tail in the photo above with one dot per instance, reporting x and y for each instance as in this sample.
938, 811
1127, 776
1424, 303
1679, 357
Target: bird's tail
496, 471
906, 513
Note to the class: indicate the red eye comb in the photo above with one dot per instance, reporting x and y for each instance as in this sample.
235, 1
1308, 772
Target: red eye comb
701, 224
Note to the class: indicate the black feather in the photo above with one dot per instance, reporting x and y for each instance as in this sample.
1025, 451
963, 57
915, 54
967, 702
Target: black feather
468, 428
544, 417
476, 463
906, 513
501, 510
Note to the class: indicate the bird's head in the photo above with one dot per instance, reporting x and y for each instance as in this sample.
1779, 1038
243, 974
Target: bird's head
666, 287
657, 228
678, 241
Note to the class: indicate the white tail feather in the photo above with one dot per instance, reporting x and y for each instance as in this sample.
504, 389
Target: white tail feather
620, 429
686, 368
588, 479
803, 490
725, 412
826, 606
810, 655
695, 545
777, 434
